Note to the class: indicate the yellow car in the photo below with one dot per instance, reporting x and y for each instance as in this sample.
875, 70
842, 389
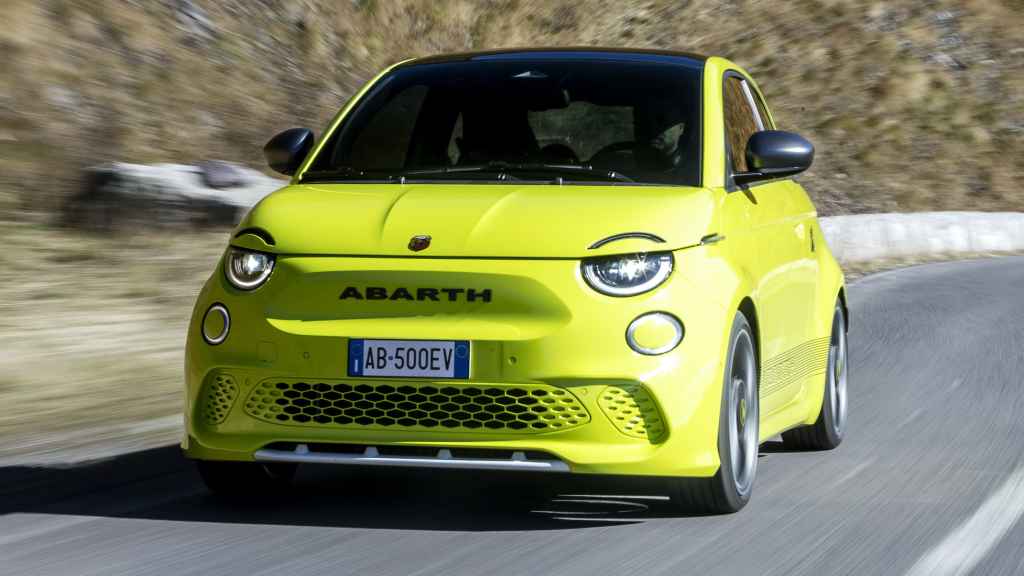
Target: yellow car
587, 261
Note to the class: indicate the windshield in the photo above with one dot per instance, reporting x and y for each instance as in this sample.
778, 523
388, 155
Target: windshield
582, 120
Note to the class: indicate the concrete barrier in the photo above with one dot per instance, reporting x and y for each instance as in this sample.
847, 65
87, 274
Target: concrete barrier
120, 195
866, 237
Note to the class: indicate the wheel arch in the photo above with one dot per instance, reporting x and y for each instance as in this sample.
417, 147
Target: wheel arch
846, 310
749, 310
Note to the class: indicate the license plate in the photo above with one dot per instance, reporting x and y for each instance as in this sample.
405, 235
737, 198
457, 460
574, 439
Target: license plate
408, 358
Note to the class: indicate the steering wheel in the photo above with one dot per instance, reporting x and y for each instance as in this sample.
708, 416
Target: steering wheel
613, 148
558, 153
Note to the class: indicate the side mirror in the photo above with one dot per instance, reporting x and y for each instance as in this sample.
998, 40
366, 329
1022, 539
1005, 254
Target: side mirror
775, 154
286, 151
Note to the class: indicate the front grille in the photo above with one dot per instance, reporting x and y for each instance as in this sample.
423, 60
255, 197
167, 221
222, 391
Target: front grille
218, 398
632, 410
528, 408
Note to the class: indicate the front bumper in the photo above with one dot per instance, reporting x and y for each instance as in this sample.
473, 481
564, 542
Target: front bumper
550, 371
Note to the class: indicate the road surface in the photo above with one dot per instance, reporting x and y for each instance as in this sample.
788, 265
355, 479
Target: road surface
929, 481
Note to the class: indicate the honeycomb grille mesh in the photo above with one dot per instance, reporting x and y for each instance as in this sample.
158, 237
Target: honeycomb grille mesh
484, 408
218, 398
632, 410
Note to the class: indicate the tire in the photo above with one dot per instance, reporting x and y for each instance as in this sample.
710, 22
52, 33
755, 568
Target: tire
738, 427
242, 480
827, 431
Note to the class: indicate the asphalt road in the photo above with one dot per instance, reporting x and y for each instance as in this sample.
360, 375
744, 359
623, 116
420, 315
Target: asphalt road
929, 481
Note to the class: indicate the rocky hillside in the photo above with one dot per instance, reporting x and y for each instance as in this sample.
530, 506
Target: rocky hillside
912, 104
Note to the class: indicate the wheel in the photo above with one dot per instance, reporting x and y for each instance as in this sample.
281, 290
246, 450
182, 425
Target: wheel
729, 489
827, 432
237, 480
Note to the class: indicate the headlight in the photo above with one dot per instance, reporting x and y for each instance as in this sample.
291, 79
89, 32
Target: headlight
629, 274
247, 270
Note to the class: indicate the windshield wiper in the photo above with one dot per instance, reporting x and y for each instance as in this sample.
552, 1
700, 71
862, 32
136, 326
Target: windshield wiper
509, 168
346, 173
502, 169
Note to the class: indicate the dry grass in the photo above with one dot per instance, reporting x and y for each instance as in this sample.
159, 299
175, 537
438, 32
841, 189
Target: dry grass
93, 328
858, 270
913, 104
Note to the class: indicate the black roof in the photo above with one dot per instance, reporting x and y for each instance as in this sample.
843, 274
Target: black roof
574, 52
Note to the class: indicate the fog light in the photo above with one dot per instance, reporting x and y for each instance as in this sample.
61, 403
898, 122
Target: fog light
216, 324
654, 333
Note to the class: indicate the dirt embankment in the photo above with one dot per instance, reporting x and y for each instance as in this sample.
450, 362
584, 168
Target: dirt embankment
912, 104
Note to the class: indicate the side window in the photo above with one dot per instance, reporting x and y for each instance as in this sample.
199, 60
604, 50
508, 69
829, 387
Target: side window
741, 121
384, 142
762, 110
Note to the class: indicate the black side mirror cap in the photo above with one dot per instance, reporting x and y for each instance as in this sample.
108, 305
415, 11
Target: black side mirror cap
286, 151
775, 154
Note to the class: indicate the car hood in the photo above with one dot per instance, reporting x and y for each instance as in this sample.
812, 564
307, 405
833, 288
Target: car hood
465, 220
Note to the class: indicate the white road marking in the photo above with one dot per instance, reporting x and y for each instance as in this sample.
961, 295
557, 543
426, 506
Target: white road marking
963, 548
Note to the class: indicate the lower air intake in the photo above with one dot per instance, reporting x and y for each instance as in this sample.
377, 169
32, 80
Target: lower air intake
632, 410
519, 409
218, 398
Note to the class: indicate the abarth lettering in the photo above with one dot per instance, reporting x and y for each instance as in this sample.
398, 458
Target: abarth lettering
417, 294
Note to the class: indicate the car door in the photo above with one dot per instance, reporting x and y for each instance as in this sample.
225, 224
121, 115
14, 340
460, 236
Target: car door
780, 235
